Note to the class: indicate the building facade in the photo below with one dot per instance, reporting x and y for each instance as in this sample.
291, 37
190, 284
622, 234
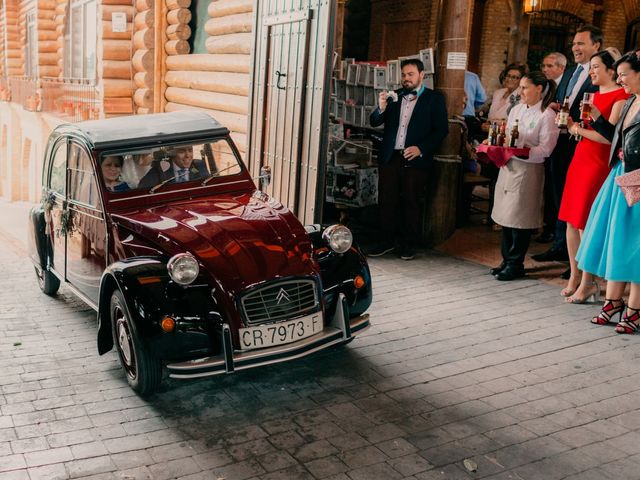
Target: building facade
261, 68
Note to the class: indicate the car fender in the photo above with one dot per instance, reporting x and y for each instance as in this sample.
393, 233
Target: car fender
39, 245
124, 275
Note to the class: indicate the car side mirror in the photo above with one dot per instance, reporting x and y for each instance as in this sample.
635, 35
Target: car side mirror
265, 176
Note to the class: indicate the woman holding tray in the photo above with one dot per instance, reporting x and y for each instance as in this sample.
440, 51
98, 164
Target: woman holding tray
610, 246
588, 170
519, 190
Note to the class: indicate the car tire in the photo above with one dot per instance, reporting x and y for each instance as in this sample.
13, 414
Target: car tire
47, 281
142, 369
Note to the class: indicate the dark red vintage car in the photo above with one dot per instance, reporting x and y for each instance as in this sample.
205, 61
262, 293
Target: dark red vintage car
155, 223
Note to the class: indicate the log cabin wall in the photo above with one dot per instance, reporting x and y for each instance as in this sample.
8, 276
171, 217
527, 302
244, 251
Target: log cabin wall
61, 10
47, 39
143, 45
13, 45
218, 81
3, 39
24, 7
115, 51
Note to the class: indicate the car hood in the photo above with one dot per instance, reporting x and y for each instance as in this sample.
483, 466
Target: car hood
240, 239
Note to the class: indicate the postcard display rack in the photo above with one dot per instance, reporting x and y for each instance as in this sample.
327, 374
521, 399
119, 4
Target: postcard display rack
352, 175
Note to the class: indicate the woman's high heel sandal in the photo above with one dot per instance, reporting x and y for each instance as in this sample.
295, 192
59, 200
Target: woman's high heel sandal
629, 323
591, 298
609, 310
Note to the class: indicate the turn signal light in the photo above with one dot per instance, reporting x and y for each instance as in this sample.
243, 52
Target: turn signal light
358, 282
168, 324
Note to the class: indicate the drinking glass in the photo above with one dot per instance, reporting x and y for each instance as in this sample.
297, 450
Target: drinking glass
585, 107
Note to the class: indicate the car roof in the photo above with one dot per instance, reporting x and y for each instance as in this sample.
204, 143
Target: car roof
136, 130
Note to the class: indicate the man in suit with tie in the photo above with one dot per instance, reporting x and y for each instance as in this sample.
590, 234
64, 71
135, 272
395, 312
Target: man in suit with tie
575, 82
415, 123
182, 168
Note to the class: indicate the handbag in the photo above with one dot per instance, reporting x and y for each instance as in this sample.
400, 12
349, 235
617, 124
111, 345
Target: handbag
629, 183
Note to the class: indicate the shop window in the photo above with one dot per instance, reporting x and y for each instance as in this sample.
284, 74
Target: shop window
199, 16
80, 40
31, 45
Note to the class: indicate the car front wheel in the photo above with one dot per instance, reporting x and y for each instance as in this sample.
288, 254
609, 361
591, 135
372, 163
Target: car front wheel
143, 370
47, 281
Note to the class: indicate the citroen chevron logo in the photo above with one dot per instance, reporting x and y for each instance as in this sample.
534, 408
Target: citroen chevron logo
282, 297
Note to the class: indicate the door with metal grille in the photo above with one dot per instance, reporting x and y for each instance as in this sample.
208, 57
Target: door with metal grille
288, 104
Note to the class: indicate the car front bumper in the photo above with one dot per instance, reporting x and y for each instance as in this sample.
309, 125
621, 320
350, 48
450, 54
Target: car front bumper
341, 330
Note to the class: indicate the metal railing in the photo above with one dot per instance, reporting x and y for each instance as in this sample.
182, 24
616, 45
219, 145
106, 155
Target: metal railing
24, 91
74, 99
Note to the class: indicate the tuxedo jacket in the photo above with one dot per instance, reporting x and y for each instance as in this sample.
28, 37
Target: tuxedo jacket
156, 174
427, 127
561, 92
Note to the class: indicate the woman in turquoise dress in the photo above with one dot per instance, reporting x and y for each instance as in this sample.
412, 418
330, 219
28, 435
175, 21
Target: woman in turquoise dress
610, 245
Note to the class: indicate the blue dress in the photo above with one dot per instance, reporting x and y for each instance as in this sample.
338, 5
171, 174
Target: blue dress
610, 245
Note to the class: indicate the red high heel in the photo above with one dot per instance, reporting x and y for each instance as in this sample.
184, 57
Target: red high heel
629, 323
609, 310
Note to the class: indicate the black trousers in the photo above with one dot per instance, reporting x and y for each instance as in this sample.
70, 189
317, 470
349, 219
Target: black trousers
560, 161
514, 246
400, 188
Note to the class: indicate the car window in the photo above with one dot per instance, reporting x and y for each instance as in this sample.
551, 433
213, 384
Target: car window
82, 181
190, 164
57, 175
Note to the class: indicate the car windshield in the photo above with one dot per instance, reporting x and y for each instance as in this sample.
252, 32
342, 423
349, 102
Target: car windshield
151, 168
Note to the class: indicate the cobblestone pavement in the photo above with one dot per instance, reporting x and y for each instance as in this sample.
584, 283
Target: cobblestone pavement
455, 367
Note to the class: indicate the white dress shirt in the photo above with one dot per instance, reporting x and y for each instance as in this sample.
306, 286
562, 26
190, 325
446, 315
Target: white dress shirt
406, 110
537, 130
581, 79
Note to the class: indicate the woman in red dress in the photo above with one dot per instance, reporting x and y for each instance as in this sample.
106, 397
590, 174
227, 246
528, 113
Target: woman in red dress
588, 170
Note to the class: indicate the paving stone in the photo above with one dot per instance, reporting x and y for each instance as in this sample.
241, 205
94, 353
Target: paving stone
410, 464
327, 466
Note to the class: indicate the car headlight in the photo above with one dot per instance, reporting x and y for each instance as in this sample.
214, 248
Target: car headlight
338, 237
183, 268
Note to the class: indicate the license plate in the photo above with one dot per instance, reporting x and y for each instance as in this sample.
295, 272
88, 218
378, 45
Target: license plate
280, 333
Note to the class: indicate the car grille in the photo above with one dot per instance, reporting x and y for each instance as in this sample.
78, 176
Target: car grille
279, 301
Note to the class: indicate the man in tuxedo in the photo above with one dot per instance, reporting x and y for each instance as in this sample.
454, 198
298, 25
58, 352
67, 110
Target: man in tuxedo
575, 82
415, 123
182, 168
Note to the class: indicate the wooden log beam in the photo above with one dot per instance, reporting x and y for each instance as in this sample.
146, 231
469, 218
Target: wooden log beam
175, 4
178, 31
47, 35
223, 82
142, 5
212, 100
107, 10
179, 15
116, 50
48, 70
48, 46
46, 4
210, 62
144, 20
117, 88
144, 79
143, 39
233, 43
177, 47
229, 7
122, 69
117, 105
143, 60
109, 34
232, 121
143, 97
48, 58
239, 23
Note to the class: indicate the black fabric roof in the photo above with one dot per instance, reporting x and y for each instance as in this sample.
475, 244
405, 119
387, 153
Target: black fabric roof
145, 129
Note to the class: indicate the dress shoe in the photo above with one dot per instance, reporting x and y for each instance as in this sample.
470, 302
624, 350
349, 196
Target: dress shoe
545, 237
510, 273
407, 253
551, 255
566, 275
498, 269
